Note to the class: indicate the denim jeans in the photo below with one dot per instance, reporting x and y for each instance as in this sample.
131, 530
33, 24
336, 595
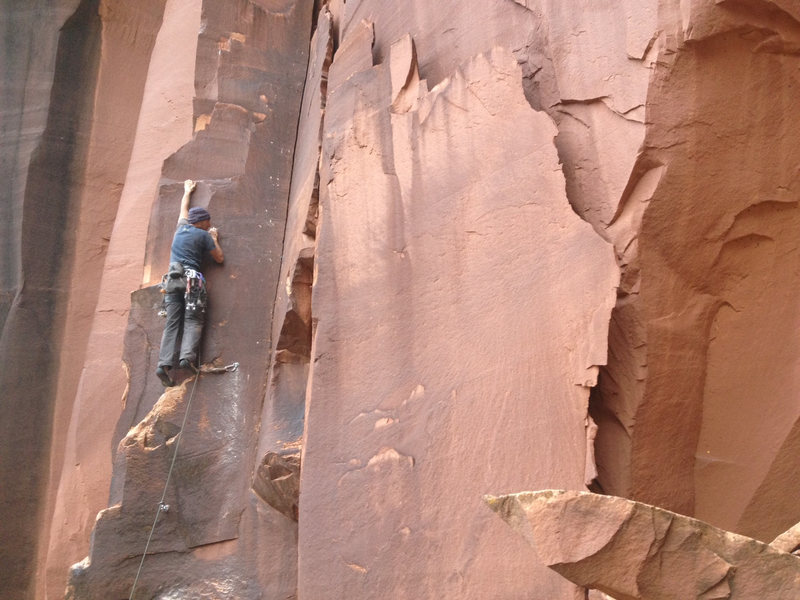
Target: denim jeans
183, 324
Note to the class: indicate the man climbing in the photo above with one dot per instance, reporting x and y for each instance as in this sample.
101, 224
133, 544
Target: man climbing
194, 238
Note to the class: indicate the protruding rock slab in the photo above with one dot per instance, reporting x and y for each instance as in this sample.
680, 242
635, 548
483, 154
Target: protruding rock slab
788, 541
633, 550
277, 482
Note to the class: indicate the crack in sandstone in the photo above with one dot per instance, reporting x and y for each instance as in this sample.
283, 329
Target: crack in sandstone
562, 106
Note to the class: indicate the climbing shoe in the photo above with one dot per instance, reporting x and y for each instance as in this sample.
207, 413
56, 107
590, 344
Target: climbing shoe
163, 375
187, 364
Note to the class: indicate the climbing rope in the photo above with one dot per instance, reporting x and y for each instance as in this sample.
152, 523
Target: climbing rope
162, 506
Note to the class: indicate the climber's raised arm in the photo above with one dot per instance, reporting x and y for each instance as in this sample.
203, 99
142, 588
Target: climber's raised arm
188, 188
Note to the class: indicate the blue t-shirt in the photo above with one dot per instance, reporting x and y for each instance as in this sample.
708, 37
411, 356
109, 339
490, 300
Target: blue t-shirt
190, 245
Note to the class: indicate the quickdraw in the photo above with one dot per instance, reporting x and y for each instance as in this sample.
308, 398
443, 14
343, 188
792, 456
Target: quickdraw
227, 369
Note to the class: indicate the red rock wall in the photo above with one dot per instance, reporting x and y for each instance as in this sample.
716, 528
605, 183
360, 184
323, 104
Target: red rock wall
26, 409
700, 388
164, 124
471, 247
252, 61
405, 233
67, 165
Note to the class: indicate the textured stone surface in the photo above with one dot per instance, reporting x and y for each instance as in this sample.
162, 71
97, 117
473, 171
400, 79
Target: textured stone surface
406, 425
277, 475
215, 528
85, 470
447, 339
635, 551
697, 408
28, 65
788, 541
586, 64
66, 165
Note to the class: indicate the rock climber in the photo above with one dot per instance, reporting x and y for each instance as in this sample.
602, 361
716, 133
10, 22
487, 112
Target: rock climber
186, 304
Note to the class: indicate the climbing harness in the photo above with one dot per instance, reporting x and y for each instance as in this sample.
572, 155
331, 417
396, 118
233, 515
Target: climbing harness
196, 296
163, 507
182, 279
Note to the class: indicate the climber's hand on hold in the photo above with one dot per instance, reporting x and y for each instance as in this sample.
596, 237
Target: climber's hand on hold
189, 185
216, 253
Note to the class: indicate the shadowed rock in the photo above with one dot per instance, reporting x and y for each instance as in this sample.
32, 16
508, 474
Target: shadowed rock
632, 550
277, 482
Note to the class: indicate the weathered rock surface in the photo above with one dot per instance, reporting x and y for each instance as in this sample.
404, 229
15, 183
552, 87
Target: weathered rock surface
92, 409
457, 185
26, 303
67, 142
419, 206
212, 533
697, 407
277, 475
788, 541
635, 551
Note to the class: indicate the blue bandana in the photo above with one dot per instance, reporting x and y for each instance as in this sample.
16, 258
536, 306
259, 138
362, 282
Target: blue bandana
198, 214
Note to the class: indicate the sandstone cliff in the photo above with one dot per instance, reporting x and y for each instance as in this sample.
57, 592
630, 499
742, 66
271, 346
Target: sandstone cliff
472, 248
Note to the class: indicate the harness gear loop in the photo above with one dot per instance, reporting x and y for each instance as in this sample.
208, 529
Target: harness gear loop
196, 297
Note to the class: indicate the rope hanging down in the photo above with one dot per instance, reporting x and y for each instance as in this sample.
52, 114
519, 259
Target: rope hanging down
162, 506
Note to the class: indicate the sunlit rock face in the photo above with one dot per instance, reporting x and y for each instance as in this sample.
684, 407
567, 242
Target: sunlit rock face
450, 235
471, 247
